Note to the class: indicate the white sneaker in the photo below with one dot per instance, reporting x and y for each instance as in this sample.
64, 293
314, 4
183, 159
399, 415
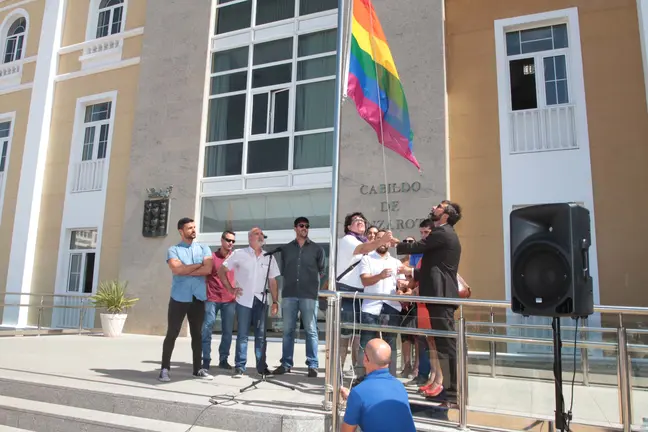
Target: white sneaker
164, 375
203, 374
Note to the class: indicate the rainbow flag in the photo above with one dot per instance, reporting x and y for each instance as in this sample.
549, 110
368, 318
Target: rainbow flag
374, 84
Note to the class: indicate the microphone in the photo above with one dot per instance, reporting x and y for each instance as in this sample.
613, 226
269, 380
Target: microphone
272, 252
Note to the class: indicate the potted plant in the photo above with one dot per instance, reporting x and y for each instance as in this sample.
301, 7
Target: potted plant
111, 296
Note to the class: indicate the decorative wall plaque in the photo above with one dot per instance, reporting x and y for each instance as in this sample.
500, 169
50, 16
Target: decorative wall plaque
156, 212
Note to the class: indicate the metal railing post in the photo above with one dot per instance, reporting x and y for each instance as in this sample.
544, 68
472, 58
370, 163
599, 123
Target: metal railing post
330, 358
462, 351
625, 386
81, 313
585, 356
493, 347
40, 314
336, 367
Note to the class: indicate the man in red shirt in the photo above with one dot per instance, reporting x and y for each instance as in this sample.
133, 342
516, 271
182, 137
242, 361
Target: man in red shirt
219, 299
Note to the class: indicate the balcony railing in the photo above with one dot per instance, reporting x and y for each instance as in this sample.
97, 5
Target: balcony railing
102, 45
10, 69
543, 129
88, 176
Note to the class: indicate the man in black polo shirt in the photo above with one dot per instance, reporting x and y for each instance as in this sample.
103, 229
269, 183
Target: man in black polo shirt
302, 265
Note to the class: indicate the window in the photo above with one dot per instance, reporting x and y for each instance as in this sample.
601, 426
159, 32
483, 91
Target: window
110, 17
96, 131
81, 261
14, 46
274, 211
5, 136
278, 112
234, 15
538, 67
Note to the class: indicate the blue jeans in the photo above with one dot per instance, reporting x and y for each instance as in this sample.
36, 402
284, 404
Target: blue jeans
247, 316
227, 311
308, 309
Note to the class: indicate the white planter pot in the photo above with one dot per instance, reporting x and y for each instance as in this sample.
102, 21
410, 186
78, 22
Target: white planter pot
112, 324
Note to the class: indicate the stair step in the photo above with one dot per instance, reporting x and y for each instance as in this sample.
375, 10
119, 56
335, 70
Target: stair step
46, 417
12, 429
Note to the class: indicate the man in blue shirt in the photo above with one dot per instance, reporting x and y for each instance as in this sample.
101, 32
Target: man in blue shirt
189, 262
379, 403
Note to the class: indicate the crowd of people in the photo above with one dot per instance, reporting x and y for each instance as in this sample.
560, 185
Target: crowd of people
242, 283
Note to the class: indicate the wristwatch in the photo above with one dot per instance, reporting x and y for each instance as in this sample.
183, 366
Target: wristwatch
275, 303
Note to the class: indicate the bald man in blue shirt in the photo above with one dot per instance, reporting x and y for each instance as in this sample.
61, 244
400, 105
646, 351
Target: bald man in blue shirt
379, 403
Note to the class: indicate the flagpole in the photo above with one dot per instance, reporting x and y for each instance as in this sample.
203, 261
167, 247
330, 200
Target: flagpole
339, 87
333, 367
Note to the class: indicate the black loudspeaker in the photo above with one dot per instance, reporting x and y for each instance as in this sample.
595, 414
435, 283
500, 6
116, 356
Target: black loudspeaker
550, 261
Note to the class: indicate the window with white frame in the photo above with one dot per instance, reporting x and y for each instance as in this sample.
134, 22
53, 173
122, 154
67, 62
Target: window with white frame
233, 15
96, 131
271, 105
81, 261
542, 114
5, 136
538, 67
15, 40
109, 19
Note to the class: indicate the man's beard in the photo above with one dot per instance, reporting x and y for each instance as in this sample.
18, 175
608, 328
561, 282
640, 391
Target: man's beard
434, 217
382, 250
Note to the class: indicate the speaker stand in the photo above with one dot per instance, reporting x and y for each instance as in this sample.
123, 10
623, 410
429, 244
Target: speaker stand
562, 418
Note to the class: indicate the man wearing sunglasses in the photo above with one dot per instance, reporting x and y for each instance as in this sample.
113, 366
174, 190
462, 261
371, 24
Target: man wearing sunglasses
302, 267
251, 267
219, 299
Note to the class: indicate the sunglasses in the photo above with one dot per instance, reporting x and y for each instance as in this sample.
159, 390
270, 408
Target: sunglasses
230, 240
408, 241
301, 225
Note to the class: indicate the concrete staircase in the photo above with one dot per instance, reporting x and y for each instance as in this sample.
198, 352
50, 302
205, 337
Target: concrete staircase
33, 406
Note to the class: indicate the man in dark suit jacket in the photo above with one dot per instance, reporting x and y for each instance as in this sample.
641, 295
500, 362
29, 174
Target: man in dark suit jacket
437, 277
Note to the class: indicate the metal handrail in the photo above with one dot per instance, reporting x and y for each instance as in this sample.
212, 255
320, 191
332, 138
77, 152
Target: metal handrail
5, 293
82, 308
334, 326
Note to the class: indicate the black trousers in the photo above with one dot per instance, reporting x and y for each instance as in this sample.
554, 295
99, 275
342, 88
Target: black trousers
442, 318
195, 313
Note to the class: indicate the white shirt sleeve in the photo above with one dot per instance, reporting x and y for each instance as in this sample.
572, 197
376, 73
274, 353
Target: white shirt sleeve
232, 262
365, 266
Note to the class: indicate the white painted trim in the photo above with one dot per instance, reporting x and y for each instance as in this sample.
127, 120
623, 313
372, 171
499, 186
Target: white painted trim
577, 85
16, 88
6, 23
11, 117
642, 14
203, 121
15, 5
122, 64
88, 43
32, 171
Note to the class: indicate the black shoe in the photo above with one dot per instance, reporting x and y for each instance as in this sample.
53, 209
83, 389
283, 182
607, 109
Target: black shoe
312, 373
224, 365
281, 370
238, 373
264, 372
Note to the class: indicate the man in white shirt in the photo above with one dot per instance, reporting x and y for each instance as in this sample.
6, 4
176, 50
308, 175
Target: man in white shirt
351, 248
378, 274
251, 269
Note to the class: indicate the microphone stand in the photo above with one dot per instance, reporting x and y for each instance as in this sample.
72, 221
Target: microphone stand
262, 322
